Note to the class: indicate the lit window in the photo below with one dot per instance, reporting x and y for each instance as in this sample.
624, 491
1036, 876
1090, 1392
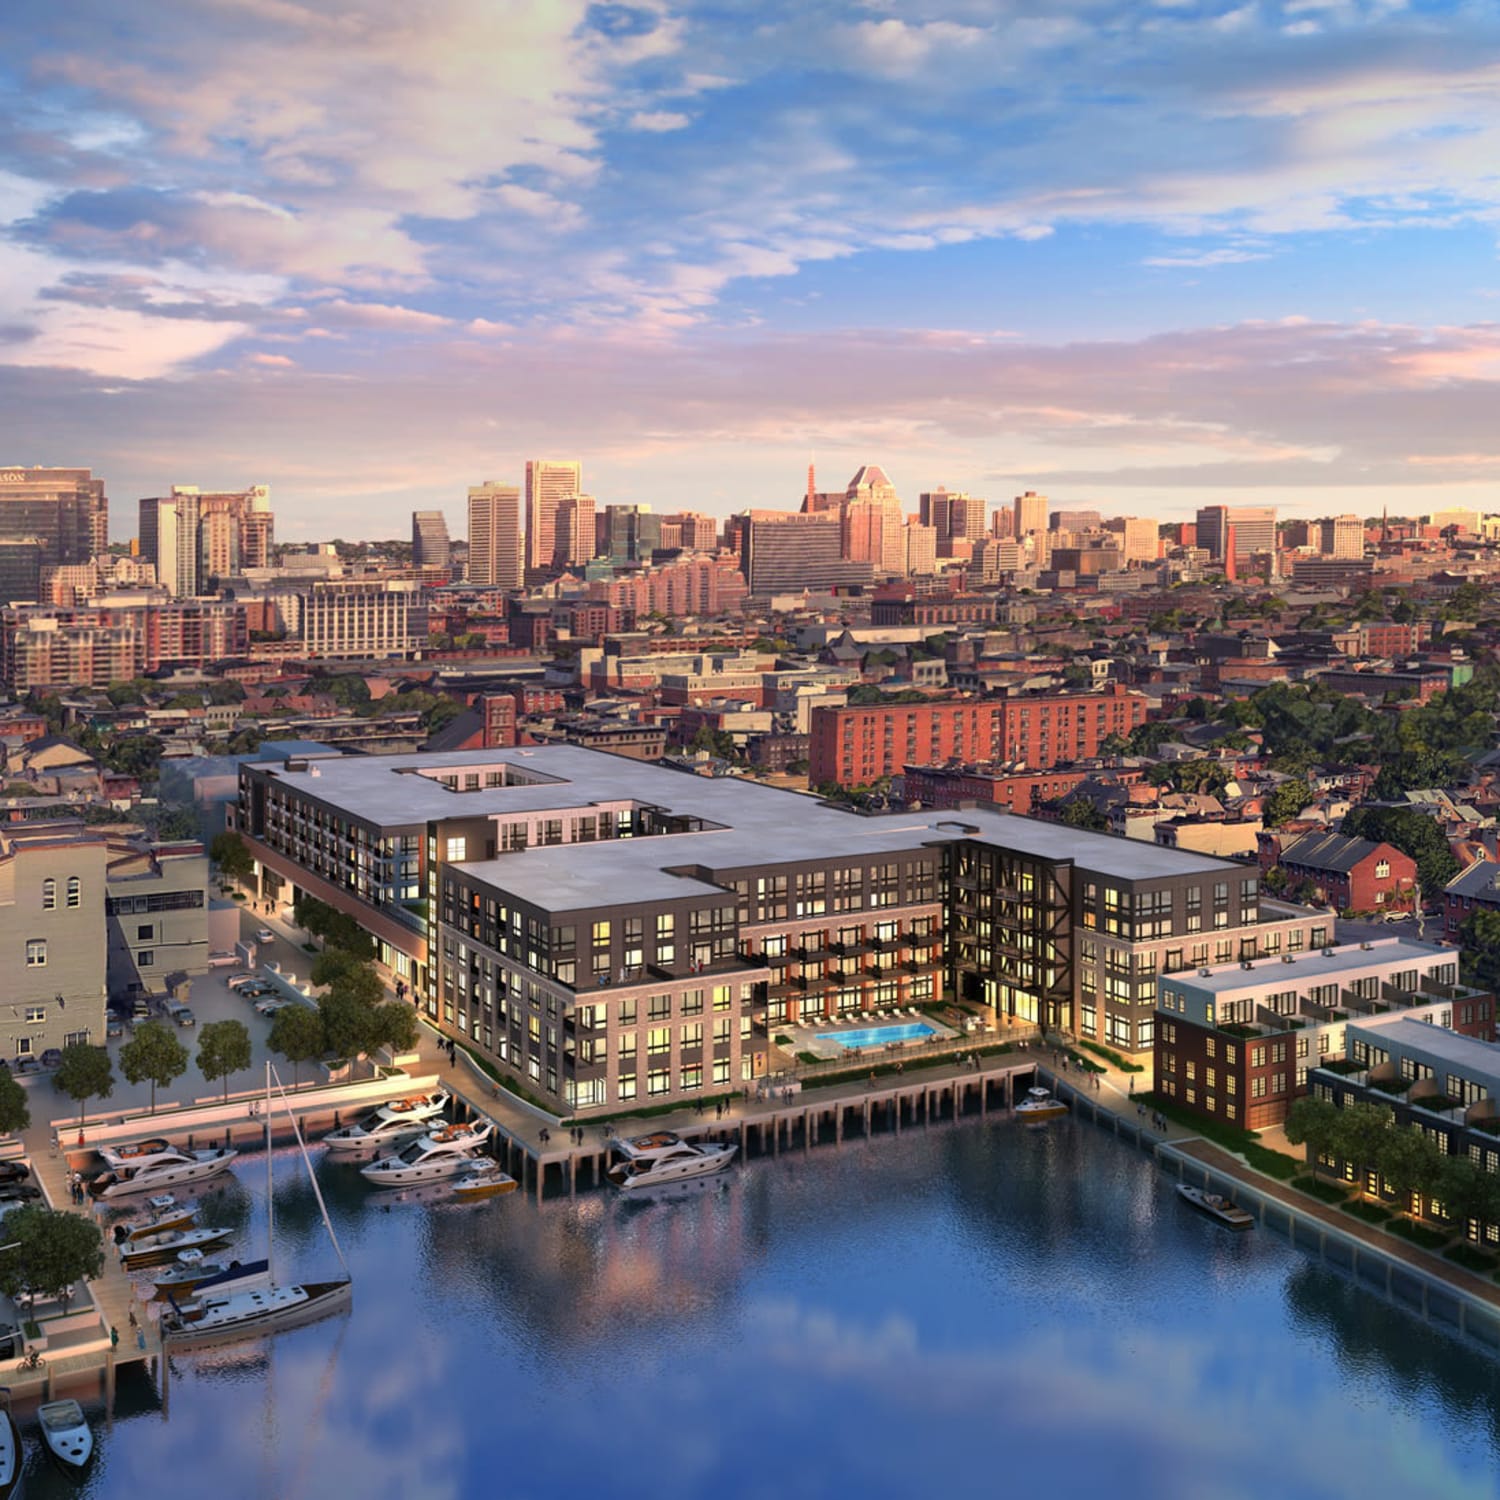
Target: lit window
457, 849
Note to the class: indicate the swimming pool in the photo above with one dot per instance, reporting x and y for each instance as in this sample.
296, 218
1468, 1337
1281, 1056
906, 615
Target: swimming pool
878, 1036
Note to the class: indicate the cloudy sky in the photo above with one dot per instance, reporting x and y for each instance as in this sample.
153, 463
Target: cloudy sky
1139, 253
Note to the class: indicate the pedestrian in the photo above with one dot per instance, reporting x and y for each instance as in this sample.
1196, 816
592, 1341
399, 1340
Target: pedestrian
114, 1337
1132, 1086
132, 1317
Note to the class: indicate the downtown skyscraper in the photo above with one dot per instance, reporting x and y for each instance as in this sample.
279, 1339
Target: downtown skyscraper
549, 483
495, 559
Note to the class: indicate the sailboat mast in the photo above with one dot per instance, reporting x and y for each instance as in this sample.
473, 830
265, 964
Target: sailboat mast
270, 1191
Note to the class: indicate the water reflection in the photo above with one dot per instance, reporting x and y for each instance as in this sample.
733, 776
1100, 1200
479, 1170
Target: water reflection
962, 1305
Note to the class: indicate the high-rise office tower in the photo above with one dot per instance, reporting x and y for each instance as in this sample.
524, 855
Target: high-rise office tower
873, 523
548, 483
573, 531
1341, 536
169, 539
1031, 514
430, 547
954, 515
787, 553
495, 558
195, 537
1254, 532
921, 548
631, 533
1139, 538
1074, 521
63, 510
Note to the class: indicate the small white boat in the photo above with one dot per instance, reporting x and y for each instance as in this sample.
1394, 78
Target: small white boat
483, 1179
1217, 1207
66, 1434
445, 1153
1040, 1105
156, 1249
650, 1160
193, 1273
402, 1117
166, 1213
12, 1454
137, 1154
161, 1169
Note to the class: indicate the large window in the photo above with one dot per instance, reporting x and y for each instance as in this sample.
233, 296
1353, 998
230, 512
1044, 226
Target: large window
36, 953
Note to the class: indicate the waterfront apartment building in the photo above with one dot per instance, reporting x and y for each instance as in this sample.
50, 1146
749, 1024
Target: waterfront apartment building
64, 510
650, 965
364, 618
1235, 1042
549, 482
857, 746
430, 547
115, 637
52, 937
495, 556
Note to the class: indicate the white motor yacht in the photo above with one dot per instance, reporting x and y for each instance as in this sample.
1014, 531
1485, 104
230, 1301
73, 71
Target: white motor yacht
158, 1249
66, 1433
166, 1213
167, 1168
444, 1153
389, 1123
12, 1454
1040, 1105
650, 1160
482, 1178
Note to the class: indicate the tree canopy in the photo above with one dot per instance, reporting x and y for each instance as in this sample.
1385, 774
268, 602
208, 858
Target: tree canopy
15, 1112
1412, 832
297, 1035
85, 1073
223, 1048
153, 1055
49, 1251
232, 855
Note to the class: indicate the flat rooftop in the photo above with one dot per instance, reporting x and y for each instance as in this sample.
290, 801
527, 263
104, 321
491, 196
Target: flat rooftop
1321, 966
749, 824
1434, 1044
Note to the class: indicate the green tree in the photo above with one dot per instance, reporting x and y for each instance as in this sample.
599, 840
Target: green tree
1081, 813
153, 1055
15, 1112
1479, 943
394, 1025
49, 1251
223, 1048
1284, 801
336, 928
1408, 1161
1363, 1133
297, 1035
348, 1027
232, 856
1313, 1122
341, 970
85, 1073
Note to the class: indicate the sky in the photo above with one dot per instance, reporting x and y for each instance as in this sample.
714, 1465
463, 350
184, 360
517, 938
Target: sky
1138, 254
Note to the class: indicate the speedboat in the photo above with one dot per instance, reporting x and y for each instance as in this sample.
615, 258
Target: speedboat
12, 1454
445, 1153
1040, 1105
650, 1160
210, 1316
402, 1117
157, 1249
193, 1273
1217, 1207
483, 1179
137, 1154
66, 1434
161, 1169
166, 1213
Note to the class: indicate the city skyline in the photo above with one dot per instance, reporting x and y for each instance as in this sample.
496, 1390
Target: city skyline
1139, 257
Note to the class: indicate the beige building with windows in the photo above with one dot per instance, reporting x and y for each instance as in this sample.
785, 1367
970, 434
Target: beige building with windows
51, 938
157, 910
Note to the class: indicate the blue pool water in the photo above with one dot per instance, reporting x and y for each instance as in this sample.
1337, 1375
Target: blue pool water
878, 1036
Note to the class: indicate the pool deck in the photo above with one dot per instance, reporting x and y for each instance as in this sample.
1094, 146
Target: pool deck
822, 1040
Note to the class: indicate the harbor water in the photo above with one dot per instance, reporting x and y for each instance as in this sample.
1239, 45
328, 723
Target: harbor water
1026, 1309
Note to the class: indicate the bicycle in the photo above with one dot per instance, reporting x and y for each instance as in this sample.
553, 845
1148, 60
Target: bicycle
32, 1359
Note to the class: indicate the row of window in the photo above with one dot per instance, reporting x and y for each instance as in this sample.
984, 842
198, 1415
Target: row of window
74, 893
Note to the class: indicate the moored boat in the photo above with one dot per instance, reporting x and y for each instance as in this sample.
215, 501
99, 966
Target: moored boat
247, 1306
445, 1153
1216, 1206
66, 1433
650, 1160
389, 1123
193, 1273
157, 1249
166, 1213
1039, 1104
169, 1168
483, 1179
12, 1454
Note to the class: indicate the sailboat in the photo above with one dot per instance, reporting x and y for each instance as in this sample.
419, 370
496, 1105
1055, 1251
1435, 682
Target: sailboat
212, 1317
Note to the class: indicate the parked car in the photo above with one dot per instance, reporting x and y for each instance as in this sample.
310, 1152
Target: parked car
27, 1064
183, 1016
256, 991
1398, 916
19, 1192
141, 1009
52, 1057
264, 935
244, 977
271, 1004
13, 1171
113, 1027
